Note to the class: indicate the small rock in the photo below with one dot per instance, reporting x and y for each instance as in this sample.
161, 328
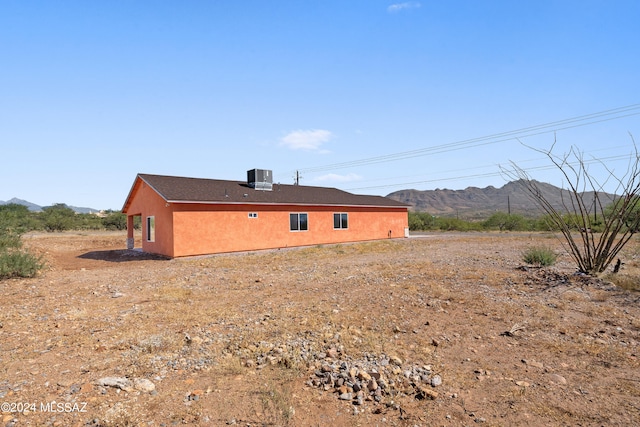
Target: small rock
426, 393
395, 360
364, 376
343, 389
143, 384
533, 363
116, 382
436, 381
558, 379
346, 396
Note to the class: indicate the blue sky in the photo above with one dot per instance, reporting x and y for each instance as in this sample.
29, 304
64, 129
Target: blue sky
369, 96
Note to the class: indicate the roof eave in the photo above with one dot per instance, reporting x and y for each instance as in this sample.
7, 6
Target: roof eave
138, 179
248, 202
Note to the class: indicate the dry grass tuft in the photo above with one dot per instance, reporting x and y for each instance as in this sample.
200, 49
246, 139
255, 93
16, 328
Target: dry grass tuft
624, 281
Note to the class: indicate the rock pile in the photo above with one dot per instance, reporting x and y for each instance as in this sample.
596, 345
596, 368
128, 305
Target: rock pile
371, 378
374, 378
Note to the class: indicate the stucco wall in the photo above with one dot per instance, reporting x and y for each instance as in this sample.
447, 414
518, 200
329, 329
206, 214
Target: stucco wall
198, 230
146, 202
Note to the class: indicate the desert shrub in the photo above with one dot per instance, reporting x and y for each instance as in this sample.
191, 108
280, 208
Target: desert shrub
632, 219
17, 218
624, 281
421, 221
8, 240
19, 263
86, 221
539, 255
593, 231
456, 224
15, 261
506, 222
115, 221
58, 217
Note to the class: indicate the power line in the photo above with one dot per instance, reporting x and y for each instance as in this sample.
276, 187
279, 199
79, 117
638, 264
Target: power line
485, 166
569, 123
483, 175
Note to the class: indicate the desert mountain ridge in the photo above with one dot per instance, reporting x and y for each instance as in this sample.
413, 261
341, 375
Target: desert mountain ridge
474, 202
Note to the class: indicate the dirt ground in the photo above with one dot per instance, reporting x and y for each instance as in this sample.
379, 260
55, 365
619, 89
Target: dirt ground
444, 329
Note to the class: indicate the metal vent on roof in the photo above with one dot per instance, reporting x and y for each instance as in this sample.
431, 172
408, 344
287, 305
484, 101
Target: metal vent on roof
260, 179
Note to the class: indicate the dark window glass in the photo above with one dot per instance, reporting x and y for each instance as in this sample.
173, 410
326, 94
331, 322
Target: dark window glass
340, 220
151, 229
298, 222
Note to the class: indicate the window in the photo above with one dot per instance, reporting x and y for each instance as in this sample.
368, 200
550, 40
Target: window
298, 222
340, 221
253, 214
151, 229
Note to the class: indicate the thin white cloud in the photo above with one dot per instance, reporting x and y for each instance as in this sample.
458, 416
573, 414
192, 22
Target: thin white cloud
334, 177
397, 7
310, 140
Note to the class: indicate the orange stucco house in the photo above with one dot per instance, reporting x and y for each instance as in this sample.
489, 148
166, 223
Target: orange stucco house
192, 216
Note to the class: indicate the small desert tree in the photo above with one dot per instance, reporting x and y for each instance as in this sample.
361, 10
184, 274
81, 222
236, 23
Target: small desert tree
584, 206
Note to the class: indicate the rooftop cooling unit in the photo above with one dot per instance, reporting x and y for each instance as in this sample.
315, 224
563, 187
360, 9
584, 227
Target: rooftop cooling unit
260, 179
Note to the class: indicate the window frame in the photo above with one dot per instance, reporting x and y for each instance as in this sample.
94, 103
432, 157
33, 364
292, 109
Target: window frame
151, 228
343, 219
299, 222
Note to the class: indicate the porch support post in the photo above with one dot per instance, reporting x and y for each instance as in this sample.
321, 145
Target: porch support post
130, 232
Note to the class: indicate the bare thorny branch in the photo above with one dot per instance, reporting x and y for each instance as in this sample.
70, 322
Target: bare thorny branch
593, 251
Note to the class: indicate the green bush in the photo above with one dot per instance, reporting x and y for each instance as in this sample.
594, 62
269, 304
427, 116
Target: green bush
421, 221
14, 260
9, 241
19, 263
538, 255
17, 218
506, 222
455, 224
115, 221
58, 217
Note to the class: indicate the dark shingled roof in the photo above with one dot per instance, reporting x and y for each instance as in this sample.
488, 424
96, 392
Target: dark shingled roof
197, 190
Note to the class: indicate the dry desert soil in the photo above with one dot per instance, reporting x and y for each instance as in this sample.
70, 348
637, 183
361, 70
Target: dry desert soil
437, 330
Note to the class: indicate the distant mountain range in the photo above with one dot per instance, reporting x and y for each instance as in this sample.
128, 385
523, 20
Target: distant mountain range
470, 203
36, 208
478, 203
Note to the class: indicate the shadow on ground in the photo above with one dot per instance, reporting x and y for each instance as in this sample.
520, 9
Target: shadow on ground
122, 255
